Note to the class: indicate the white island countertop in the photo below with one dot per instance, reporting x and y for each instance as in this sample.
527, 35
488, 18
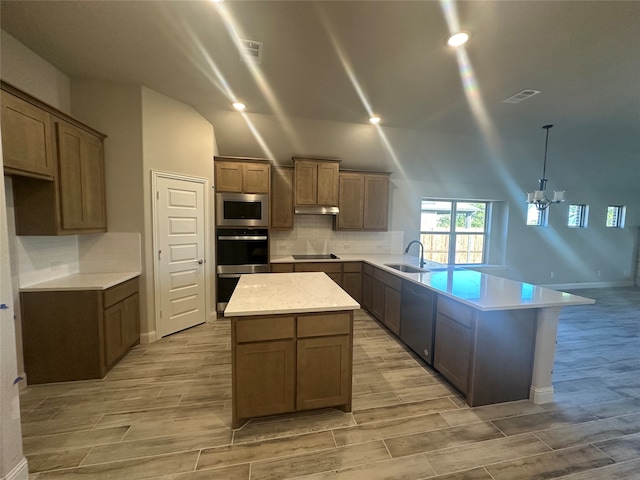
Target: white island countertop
478, 290
278, 293
81, 281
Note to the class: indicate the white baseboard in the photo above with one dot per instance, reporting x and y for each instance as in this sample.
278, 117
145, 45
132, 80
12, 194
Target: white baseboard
148, 337
541, 395
577, 286
213, 316
19, 472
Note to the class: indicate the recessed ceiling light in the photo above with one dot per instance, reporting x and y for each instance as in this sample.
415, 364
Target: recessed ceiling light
458, 39
239, 106
374, 120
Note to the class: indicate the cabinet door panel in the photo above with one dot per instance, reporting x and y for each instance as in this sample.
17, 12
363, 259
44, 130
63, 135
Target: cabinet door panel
70, 175
377, 302
26, 137
113, 334
131, 321
324, 372
228, 176
282, 198
256, 178
392, 309
327, 183
306, 184
264, 378
351, 201
352, 283
93, 194
367, 292
453, 351
376, 202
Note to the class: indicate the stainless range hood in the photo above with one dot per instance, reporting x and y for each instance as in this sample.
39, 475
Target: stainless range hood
315, 210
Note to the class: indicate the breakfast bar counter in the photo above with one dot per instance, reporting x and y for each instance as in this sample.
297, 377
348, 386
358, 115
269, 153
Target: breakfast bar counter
291, 344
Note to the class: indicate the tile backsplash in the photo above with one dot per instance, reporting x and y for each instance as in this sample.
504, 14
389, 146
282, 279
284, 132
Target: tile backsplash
315, 234
46, 258
110, 252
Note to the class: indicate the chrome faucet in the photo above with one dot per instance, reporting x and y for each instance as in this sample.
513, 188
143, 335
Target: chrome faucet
406, 250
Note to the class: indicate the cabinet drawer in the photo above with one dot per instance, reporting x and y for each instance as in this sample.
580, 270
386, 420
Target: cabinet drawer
258, 329
388, 278
352, 266
281, 267
324, 324
455, 310
367, 269
120, 292
327, 267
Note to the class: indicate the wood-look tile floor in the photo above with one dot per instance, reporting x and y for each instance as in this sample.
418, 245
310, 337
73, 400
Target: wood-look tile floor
164, 413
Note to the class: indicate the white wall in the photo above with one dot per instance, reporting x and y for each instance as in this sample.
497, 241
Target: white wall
489, 167
175, 139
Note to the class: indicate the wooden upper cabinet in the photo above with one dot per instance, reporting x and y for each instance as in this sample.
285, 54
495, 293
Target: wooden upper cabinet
376, 202
316, 182
282, 198
351, 204
81, 178
57, 165
26, 138
242, 176
363, 201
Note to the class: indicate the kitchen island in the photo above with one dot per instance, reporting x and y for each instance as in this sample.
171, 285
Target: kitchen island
494, 338
291, 344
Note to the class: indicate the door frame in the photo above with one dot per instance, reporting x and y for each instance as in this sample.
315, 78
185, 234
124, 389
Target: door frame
210, 314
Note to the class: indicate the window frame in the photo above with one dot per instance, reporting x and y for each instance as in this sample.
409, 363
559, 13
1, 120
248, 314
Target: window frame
621, 212
452, 234
583, 215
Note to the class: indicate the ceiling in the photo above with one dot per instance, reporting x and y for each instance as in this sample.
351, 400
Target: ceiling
341, 61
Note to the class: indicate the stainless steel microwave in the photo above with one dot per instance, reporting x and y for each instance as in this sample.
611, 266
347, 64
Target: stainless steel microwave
242, 210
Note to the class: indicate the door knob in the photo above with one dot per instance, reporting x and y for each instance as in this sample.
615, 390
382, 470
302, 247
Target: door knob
200, 262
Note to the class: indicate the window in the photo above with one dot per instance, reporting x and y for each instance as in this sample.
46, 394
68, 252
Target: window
615, 216
535, 216
578, 215
454, 231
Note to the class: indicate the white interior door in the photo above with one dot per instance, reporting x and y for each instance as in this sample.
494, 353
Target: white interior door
180, 255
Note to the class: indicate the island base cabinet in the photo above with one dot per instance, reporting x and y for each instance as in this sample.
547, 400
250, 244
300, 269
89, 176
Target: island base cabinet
264, 379
283, 364
323, 376
488, 356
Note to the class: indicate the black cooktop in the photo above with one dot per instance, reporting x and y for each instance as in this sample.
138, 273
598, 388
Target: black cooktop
316, 256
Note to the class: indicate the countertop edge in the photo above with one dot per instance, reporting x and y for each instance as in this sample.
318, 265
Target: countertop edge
88, 281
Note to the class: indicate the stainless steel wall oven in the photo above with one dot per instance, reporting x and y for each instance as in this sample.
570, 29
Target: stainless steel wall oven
238, 251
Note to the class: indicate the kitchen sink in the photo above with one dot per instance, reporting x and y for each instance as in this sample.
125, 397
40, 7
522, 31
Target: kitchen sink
403, 267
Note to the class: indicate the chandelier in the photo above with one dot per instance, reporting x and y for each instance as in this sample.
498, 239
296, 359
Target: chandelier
539, 197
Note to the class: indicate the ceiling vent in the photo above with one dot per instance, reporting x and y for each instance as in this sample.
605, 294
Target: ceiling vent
251, 51
520, 96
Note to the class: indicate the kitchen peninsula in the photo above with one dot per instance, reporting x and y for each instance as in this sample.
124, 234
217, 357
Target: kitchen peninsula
292, 344
490, 337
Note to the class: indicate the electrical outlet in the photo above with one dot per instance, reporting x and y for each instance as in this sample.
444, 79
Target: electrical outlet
347, 246
54, 265
379, 247
551, 274
598, 272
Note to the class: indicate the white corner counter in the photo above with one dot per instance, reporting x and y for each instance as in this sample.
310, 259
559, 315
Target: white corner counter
282, 293
82, 281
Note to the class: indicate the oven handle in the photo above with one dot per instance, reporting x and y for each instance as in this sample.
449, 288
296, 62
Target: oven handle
242, 237
229, 275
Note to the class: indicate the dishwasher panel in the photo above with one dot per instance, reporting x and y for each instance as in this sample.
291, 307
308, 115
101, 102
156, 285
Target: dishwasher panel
417, 319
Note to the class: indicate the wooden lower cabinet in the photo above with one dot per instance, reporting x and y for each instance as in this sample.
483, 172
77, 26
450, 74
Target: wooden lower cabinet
322, 367
265, 378
488, 356
284, 364
78, 334
392, 309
